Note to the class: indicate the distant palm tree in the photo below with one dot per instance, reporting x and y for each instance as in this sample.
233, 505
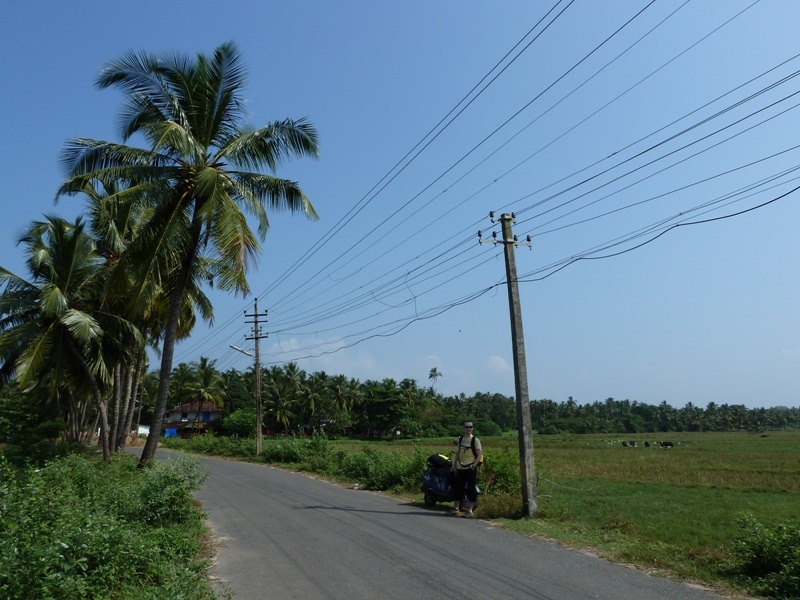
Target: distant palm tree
311, 397
207, 385
201, 171
434, 375
280, 402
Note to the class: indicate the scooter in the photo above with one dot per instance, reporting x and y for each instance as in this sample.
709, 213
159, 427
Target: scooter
437, 482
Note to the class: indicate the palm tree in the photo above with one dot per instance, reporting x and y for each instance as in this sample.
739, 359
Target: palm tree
55, 335
207, 385
202, 170
434, 376
116, 218
181, 379
314, 391
280, 402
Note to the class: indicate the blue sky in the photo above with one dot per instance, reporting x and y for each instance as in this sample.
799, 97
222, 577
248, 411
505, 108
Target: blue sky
606, 125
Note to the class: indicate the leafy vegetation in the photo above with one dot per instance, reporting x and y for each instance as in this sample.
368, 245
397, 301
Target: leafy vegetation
79, 528
770, 557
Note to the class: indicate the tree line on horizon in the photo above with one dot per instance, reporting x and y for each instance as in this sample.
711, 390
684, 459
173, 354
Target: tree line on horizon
299, 403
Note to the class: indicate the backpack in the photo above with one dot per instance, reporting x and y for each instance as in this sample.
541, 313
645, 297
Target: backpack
472, 445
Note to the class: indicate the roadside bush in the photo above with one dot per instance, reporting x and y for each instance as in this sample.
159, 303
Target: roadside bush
79, 528
286, 450
213, 446
240, 423
500, 473
770, 558
378, 470
166, 487
318, 455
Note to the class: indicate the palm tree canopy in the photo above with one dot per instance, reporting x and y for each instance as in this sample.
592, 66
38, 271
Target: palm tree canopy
202, 170
54, 329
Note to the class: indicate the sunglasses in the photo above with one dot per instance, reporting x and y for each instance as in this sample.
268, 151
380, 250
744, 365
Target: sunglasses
467, 426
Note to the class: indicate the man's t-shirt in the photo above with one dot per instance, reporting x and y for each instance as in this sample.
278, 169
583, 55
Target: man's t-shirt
467, 457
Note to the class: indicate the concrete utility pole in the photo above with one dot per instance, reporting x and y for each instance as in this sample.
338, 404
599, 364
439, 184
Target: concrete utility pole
526, 465
257, 335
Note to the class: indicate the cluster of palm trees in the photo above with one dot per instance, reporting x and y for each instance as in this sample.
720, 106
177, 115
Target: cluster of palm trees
298, 402
162, 221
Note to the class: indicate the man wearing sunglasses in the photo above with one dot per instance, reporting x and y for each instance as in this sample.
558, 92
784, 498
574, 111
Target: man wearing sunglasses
465, 467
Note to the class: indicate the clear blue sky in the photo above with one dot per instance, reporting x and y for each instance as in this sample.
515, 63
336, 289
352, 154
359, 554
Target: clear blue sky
605, 127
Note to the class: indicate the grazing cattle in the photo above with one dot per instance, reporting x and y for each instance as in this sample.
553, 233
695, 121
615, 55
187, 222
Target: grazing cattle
625, 444
632, 444
647, 444
666, 444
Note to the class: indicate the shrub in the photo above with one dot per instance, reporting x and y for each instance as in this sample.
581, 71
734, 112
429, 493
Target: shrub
80, 528
166, 488
487, 427
240, 423
285, 450
770, 558
379, 470
500, 473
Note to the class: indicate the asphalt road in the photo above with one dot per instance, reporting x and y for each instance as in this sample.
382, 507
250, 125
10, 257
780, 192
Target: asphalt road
288, 535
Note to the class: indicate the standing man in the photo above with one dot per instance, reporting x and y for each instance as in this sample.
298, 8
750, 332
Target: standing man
465, 466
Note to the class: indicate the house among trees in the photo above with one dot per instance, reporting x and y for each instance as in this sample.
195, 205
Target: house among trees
191, 418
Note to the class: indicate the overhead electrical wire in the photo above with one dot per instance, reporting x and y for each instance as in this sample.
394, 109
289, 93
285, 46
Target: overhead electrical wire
406, 161
401, 324
369, 196
399, 285
628, 48
279, 301
657, 145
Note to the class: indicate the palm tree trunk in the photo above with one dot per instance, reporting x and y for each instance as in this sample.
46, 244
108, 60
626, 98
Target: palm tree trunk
123, 431
115, 405
197, 414
104, 441
168, 349
102, 403
167, 354
136, 384
87, 434
73, 425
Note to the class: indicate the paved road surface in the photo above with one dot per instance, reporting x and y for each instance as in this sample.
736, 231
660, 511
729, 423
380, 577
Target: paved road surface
288, 535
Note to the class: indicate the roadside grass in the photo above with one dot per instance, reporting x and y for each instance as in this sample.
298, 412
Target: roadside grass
672, 511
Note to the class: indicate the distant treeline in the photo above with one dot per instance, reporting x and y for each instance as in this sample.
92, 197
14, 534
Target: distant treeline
630, 416
296, 402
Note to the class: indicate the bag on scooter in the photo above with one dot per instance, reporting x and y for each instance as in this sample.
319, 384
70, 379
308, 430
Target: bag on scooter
439, 461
